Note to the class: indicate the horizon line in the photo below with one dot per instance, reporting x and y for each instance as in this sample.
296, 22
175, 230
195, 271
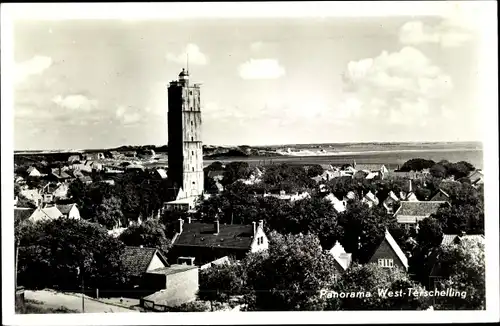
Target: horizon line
259, 145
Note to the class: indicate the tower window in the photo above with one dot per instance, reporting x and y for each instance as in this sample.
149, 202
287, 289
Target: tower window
190, 92
192, 152
191, 122
192, 139
193, 182
193, 171
191, 108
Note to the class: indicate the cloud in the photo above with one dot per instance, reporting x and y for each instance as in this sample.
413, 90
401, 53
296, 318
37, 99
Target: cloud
452, 31
196, 57
126, 116
76, 102
401, 88
261, 69
33, 66
256, 46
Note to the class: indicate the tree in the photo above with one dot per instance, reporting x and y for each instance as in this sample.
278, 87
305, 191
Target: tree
314, 170
109, 213
430, 233
291, 274
463, 218
368, 288
235, 171
417, 164
215, 166
49, 257
363, 229
463, 269
150, 234
220, 282
438, 171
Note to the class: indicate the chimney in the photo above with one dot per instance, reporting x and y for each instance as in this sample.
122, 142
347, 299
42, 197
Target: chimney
216, 226
254, 227
189, 219
181, 222
410, 186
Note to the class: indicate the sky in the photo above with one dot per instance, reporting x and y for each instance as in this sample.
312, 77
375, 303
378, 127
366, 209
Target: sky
103, 83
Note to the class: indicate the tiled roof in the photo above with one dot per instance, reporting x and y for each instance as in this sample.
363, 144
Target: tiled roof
85, 178
202, 235
439, 194
21, 214
448, 239
65, 208
419, 208
136, 260
394, 245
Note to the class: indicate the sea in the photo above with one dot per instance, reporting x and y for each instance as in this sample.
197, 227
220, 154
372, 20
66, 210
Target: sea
389, 154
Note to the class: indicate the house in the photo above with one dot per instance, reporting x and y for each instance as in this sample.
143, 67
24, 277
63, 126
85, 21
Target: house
94, 156
33, 195
52, 191
438, 271
161, 174
338, 205
81, 167
69, 211
33, 172
57, 174
134, 167
373, 176
177, 284
389, 254
351, 195
370, 199
85, 179
410, 213
22, 214
139, 260
74, 158
181, 202
476, 177
75, 173
44, 214
390, 202
440, 195
291, 197
342, 259
208, 242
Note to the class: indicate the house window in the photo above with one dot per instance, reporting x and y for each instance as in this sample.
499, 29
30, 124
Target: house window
386, 263
258, 241
335, 278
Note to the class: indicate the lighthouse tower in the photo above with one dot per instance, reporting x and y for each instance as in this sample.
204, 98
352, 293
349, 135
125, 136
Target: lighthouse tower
185, 152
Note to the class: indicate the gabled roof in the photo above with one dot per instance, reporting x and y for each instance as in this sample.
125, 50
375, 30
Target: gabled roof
439, 194
392, 196
234, 236
136, 260
21, 214
371, 197
397, 250
411, 197
60, 174
341, 257
162, 173
65, 209
422, 209
351, 195
451, 238
48, 213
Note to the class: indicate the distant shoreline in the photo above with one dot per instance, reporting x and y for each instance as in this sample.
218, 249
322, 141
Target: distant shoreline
305, 154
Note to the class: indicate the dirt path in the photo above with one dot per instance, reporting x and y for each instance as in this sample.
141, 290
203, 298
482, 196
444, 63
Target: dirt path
55, 300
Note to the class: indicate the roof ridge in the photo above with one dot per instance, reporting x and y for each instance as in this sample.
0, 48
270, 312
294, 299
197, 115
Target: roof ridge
397, 249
